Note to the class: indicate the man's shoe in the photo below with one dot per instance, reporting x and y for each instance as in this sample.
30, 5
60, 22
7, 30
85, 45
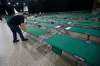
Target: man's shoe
15, 41
25, 39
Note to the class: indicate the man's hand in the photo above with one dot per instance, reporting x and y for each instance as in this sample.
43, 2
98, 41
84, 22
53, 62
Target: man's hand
23, 26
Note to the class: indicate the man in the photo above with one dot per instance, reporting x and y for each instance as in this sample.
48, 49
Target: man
14, 23
0, 18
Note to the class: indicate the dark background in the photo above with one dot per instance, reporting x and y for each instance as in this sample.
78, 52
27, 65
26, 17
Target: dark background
46, 5
68, 5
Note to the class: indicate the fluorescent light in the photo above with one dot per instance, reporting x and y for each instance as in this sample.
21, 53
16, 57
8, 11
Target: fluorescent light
57, 26
68, 28
69, 23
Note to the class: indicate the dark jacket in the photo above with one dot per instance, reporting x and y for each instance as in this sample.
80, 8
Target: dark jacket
16, 20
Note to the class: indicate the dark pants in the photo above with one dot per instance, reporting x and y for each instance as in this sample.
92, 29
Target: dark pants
15, 30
